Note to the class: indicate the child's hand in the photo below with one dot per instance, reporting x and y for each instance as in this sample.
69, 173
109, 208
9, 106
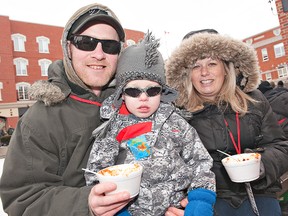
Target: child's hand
172, 211
200, 202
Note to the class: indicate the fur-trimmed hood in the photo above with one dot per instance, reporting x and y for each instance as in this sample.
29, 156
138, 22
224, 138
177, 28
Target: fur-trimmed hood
53, 90
61, 74
203, 45
70, 72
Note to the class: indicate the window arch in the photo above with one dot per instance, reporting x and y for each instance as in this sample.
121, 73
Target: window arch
22, 90
43, 44
130, 42
282, 70
19, 42
21, 66
279, 50
44, 64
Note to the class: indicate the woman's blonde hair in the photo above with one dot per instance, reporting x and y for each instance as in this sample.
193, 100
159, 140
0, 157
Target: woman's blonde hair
230, 94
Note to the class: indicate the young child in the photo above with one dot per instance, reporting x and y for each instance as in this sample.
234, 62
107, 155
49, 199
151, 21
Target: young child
143, 126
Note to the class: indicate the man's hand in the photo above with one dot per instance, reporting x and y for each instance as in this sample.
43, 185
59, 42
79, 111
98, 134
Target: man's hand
106, 205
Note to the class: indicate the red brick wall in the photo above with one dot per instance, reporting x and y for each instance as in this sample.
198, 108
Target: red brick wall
283, 20
31, 31
7, 74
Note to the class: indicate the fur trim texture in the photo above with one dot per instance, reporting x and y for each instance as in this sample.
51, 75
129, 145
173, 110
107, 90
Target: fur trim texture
204, 45
47, 92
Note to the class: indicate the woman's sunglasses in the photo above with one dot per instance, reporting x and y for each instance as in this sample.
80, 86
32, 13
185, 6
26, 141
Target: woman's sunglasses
87, 43
149, 91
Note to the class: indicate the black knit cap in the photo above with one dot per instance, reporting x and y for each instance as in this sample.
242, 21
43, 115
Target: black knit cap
264, 86
212, 31
280, 83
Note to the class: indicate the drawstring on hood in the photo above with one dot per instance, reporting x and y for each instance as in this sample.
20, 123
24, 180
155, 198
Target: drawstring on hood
110, 19
61, 74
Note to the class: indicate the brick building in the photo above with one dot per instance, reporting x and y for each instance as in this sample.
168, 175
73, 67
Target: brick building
26, 51
272, 48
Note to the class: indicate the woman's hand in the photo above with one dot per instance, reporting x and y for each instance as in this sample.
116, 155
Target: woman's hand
106, 205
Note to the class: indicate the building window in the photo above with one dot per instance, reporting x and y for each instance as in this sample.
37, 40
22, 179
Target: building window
18, 42
249, 41
285, 5
282, 71
279, 50
22, 91
277, 32
1, 87
268, 76
264, 54
43, 44
21, 66
130, 42
44, 64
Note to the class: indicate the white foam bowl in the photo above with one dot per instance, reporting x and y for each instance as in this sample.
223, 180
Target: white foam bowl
243, 167
127, 177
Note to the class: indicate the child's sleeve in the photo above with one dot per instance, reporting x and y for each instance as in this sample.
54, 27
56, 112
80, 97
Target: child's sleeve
198, 159
200, 202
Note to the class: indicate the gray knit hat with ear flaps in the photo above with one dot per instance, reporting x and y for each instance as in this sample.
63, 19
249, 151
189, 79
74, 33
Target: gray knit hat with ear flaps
142, 61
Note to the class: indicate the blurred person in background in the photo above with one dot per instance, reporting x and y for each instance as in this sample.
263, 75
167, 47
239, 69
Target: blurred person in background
272, 84
280, 87
279, 103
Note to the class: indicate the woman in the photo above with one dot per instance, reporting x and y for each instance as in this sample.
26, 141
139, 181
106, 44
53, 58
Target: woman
217, 77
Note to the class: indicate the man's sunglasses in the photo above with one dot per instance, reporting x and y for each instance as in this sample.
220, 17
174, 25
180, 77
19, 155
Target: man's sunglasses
87, 43
149, 91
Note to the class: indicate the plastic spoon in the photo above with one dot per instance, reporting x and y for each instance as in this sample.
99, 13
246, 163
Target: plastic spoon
87, 170
227, 155
224, 153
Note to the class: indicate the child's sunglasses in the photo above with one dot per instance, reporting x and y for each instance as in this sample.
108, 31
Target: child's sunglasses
149, 91
87, 43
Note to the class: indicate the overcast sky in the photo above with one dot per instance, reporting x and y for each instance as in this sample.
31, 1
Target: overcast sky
239, 19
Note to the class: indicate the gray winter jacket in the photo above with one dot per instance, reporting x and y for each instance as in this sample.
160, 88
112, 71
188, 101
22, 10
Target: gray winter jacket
259, 131
176, 159
42, 172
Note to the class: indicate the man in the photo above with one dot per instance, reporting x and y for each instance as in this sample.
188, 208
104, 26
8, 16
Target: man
42, 172
280, 87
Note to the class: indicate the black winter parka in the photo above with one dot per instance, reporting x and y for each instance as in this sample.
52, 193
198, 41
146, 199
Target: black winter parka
259, 131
